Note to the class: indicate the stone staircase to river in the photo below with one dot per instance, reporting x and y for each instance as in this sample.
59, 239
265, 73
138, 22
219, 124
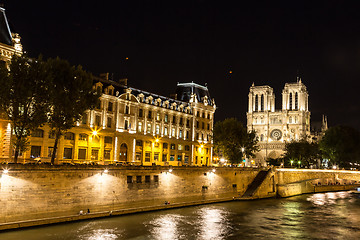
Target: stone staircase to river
253, 186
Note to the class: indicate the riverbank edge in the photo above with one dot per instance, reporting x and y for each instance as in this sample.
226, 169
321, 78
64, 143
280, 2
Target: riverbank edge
105, 214
75, 218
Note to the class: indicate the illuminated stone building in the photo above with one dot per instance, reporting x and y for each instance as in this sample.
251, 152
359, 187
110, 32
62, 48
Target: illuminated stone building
131, 126
9, 45
275, 127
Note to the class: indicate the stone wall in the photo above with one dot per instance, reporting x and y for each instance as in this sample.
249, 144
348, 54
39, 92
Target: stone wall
29, 192
285, 175
37, 191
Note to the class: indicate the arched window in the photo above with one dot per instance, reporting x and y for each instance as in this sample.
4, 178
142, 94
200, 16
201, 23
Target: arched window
256, 103
123, 152
296, 101
290, 101
262, 103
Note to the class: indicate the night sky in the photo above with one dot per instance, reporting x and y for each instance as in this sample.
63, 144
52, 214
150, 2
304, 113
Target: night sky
202, 41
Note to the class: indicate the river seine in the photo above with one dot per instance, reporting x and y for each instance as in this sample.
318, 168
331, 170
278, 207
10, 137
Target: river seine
334, 215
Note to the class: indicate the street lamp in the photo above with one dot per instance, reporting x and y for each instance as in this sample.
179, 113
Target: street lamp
244, 154
291, 162
299, 162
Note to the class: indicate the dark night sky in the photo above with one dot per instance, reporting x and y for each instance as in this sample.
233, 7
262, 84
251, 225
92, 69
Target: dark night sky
201, 41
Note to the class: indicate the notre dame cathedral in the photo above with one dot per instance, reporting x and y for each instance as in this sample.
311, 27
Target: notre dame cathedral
276, 127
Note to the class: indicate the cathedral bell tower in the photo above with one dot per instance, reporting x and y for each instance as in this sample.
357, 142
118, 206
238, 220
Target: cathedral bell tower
295, 96
261, 99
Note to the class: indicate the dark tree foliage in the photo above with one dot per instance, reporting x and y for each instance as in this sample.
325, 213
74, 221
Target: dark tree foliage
307, 153
24, 97
231, 136
341, 145
71, 94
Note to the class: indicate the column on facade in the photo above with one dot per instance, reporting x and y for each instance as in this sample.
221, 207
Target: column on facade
76, 146
116, 148
102, 148
88, 146
133, 150
117, 115
103, 113
250, 103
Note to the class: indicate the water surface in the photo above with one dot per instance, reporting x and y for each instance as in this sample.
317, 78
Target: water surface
316, 216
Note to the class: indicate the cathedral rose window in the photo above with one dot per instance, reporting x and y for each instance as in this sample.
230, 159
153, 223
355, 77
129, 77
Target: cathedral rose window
276, 134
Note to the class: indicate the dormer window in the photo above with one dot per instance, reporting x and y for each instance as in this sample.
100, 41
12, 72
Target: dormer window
98, 87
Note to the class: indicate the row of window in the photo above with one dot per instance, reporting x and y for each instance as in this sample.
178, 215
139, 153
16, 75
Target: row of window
275, 120
203, 115
110, 107
150, 157
296, 107
35, 152
70, 136
139, 179
165, 146
97, 120
202, 125
149, 114
165, 130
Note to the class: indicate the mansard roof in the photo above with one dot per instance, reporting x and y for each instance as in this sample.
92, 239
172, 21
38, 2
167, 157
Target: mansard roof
146, 97
5, 33
185, 90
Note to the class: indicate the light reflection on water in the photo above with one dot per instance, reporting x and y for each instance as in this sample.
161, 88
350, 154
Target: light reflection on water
317, 216
213, 223
166, 227
327, 198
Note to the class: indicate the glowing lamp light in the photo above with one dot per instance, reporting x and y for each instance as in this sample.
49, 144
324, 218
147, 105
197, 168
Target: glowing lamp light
6, 171
170, 170
214, 170
106, 171
157, 140
94, 133
202, 146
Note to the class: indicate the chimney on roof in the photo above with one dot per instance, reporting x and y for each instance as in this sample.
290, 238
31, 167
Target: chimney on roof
173, 96
104, 76
123, 81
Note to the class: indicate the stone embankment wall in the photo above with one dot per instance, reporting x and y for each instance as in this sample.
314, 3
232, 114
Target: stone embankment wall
41, 194
38, 191
291, 182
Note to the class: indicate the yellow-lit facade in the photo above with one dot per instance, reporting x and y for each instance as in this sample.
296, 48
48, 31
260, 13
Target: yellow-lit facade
134, 127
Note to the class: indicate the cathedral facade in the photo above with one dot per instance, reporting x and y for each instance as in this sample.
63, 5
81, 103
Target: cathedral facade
274, 127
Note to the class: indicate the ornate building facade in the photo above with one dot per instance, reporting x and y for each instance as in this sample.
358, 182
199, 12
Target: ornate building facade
131, 126
276, 127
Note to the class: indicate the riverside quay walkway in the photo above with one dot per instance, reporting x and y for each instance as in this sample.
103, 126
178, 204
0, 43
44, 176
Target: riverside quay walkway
43, 194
